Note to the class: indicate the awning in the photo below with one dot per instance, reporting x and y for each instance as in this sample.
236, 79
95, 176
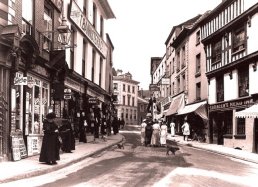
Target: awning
177, 104
198, 108
251, 112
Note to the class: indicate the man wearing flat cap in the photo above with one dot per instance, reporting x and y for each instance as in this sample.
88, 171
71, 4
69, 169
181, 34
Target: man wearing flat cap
50, 144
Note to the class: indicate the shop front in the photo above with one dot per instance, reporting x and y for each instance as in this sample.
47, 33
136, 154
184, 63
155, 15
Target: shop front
197, 116
250, 117
228, 130
177, 104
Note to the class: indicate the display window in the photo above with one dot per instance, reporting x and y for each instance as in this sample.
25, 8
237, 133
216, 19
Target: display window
16, 103
37, 102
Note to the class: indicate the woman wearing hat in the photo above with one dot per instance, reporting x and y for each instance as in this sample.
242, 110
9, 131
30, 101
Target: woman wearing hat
50, 144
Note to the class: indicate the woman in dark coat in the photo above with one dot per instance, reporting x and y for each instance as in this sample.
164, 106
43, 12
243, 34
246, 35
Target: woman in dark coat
66, 133
148, 133
50, 144
115, 125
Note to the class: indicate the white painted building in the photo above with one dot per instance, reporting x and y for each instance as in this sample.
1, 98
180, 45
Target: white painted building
126, 91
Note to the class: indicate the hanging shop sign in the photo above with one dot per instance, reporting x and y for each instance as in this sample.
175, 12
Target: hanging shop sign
165, 81
80, 20
154, 87
93, 100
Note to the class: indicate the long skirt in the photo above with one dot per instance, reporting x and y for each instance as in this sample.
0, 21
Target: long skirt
142, 137
163, 138
155, 138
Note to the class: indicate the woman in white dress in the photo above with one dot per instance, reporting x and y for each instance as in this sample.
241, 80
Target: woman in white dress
172, 128
163, 134
143, 125
155, 138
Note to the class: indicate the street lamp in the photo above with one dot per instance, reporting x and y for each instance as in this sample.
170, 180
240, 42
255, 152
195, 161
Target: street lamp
64, 32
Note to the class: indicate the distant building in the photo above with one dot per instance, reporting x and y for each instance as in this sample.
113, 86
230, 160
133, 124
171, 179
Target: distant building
126, 91
143, 101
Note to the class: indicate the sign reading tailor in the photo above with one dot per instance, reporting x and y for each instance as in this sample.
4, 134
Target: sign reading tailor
79, 19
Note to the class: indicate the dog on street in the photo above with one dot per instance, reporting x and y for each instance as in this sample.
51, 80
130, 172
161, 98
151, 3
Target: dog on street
171, 149
120, 145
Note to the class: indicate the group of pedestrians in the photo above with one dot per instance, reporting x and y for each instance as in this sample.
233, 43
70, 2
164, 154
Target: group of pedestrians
59, 134
153, 133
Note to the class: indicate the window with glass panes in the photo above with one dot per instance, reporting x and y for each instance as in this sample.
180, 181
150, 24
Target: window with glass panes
240, 126
220, 88
216, 51
243, 81
239, 38
228, 122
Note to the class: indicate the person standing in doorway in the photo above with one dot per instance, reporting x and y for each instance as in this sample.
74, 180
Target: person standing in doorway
186, 130
172, 128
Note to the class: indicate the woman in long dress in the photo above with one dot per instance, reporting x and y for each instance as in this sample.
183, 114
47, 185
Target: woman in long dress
163, 134
172, 128
155, 138
50, 144
143, 125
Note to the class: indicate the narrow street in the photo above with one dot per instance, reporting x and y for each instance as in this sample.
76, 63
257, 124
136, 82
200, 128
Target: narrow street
136, 165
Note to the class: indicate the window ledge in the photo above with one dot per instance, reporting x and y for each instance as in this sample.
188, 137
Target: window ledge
216, 62
228, 136
239, 51
240, 136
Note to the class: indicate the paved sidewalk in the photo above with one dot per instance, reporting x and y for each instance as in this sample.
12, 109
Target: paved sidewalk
29, 167
220, 149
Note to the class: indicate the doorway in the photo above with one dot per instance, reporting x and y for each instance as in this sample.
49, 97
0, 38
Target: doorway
256, 135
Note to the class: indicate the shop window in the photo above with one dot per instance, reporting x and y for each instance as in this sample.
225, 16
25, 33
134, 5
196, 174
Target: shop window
220, 88
239, 39
37, 96
228, 122
216, 51
240, 126
243, 82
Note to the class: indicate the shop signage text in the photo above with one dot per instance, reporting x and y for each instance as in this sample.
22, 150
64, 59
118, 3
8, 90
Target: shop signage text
77, 16
154, 87
20, 81
232, 104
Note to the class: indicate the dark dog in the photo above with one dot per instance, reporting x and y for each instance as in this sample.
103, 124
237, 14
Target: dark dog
120, 145
171, 149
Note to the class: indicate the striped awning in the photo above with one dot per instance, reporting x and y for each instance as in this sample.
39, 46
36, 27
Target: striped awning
251, 112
